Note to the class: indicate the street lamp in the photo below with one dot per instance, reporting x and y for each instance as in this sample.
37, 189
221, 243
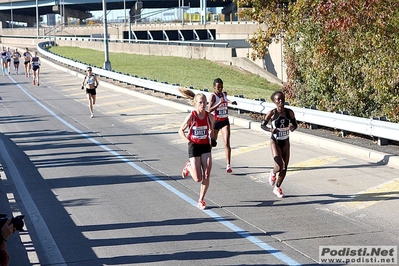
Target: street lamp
37, 18
107, 63
12, 18
124, 8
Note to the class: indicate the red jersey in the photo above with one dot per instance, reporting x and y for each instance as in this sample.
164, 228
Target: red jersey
221, 113
199, 128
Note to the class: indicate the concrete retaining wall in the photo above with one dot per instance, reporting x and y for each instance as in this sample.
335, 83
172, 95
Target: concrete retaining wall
271, 67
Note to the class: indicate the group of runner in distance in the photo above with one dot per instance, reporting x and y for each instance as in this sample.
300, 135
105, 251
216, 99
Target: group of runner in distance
31, 62
201, 127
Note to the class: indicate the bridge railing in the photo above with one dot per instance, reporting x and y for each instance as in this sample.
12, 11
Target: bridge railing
365, 126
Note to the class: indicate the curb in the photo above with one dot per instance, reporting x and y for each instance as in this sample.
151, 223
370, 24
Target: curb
328, 144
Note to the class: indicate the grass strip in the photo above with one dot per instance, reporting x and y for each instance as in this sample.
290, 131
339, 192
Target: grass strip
198, 73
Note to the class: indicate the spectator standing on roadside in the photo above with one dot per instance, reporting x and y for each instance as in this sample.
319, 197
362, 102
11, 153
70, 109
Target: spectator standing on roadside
27, 57
90, 82
218, 105
282, 122
7, 230
200, 142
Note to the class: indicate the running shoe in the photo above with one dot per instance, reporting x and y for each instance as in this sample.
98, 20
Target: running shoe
185, 170
272, 178
278, 191
34, 82
92, 115
228, 169
201, 205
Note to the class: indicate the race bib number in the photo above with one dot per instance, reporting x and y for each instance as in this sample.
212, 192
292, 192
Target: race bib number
222, 112
282, 133
200, 132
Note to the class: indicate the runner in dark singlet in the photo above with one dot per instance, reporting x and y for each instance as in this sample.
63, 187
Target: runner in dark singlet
218, 106
9, 56
16, 56
282, 122
36, 69
4, 61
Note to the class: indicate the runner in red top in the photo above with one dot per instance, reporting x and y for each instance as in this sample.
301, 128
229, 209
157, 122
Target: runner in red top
200, 141
218, 105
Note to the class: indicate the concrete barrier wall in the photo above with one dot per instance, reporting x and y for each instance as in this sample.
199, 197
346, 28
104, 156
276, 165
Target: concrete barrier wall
224, 30
272, 63
194, 52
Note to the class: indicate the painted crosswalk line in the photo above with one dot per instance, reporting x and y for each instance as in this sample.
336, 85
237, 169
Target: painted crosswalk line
370, 197
297, 167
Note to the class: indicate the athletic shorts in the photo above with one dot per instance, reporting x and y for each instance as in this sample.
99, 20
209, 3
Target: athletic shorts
16, 62
26, 62
281, 143
221, 124
91, 91
8, 60
196, 150
34, 68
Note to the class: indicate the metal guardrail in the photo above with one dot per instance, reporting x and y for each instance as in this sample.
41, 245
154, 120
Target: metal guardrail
50, 38
365, 126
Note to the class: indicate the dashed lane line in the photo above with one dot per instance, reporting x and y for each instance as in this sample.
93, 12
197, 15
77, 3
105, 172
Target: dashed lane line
131, 109
241, 150
298, 167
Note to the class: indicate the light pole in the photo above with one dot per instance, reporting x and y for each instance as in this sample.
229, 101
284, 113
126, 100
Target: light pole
12, 18
124, 9
107, 63
37, 18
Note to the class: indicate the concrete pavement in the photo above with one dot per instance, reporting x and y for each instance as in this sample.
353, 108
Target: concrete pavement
343, 206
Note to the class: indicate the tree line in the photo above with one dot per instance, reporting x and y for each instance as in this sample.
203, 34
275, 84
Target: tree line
340, 55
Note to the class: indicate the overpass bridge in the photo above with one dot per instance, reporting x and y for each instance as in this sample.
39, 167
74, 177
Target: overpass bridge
25, 11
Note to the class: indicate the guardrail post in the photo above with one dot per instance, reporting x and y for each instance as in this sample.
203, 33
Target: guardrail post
381, 141
313, 126
239, 110
343, 132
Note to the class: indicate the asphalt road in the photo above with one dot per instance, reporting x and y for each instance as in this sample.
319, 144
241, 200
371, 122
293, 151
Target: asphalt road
108, 190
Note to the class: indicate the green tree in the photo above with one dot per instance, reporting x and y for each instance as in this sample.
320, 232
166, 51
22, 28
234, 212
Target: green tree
340, 55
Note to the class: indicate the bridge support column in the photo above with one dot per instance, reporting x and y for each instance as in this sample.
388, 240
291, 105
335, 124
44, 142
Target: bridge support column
3, 21
203, 11
135, 12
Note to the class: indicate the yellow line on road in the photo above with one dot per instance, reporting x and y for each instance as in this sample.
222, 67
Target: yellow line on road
73, 89
298, 167
127, 110
311, 163
240, 150
84, 98
77, 94
178, 141
374, 195
167, 126
112, 103
143, 117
